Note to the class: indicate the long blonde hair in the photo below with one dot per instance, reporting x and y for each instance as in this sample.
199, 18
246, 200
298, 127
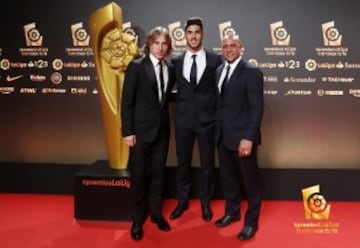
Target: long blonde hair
153, 34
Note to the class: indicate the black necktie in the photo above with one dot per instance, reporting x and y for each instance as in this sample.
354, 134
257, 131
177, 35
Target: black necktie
224, 82
161, 77
193, 71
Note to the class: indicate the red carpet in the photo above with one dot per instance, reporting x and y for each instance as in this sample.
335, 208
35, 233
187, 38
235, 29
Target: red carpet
41, 221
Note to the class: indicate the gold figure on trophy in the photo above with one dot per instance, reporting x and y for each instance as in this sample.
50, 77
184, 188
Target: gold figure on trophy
113, 51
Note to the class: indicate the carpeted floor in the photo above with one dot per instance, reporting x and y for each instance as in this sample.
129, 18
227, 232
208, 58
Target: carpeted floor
42, 221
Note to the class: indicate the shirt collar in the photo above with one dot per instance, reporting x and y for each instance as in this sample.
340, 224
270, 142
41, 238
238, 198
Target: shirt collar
234, 63
154, 60
200, 53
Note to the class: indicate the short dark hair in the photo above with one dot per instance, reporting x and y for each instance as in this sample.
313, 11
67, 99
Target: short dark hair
194, 21
153, 34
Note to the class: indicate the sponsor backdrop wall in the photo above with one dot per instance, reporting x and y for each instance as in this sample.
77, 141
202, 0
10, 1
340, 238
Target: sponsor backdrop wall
308, 51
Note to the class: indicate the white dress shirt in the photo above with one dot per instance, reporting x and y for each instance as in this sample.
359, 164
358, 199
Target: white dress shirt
200, 64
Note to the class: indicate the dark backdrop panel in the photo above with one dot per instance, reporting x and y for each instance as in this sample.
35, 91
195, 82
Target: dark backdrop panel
306, 124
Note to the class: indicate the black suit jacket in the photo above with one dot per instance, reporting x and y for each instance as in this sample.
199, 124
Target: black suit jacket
196, 103
240, 110
141, 112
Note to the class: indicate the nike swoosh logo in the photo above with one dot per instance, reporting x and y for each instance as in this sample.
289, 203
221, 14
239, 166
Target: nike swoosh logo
10, 79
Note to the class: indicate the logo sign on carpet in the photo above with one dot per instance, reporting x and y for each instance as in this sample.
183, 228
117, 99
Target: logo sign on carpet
317, 212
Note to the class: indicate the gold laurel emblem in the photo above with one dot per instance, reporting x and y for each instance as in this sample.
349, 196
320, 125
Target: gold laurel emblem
118, 49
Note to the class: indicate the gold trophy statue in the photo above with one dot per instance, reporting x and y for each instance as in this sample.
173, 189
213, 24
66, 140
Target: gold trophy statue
113, 51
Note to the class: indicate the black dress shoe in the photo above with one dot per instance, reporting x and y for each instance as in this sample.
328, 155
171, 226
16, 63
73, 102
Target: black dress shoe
206, 213
136, 231
161, 223
226, 220
247, 232
179, 210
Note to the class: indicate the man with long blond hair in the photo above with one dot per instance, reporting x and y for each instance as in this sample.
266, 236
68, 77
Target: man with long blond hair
146, 128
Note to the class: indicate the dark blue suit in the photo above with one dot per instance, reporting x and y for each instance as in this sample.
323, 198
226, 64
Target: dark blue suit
195, 118
239, 114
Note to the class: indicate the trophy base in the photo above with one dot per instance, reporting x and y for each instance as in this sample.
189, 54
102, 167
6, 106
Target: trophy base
102, 193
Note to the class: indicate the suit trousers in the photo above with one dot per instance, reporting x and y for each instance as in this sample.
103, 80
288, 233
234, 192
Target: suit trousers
240, 175
185, 139
147, 167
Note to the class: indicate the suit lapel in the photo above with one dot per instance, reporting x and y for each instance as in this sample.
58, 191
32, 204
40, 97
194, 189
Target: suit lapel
208, 62
237, 71
150, 71
168, 86
181, 67
218, 74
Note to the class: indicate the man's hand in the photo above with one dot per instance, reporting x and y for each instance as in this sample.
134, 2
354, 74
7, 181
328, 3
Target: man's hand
245, 148
130, 140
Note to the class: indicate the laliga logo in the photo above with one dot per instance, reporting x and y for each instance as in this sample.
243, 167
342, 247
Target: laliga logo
177, 34
315, 205
331, 35
32, 35
79, 35
279, 35
225, 29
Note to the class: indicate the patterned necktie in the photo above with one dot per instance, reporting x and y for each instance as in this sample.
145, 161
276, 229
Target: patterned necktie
193, 71
224, 82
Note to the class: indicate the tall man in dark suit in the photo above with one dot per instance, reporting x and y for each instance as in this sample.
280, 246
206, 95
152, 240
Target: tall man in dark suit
146, 129
195, 117
238, 119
